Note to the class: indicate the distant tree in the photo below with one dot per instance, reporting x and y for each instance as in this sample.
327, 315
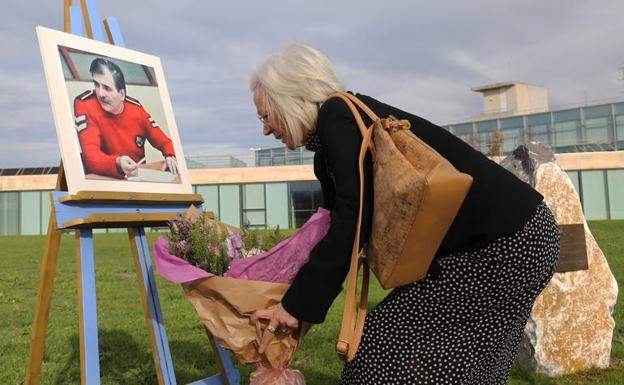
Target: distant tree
475, 140
495, 144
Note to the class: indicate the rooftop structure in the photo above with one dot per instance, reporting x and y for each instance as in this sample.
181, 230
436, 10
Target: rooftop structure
511, 98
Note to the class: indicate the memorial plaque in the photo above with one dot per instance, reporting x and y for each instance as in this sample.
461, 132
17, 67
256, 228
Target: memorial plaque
573, 255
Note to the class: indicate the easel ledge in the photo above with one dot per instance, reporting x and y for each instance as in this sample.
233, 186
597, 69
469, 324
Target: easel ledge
118, 209
105, 196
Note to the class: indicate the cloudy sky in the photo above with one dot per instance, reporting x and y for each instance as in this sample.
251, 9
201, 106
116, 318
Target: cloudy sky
423, 56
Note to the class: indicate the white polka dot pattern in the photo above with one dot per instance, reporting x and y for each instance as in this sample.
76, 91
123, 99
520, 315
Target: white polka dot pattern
314, 143
464, 325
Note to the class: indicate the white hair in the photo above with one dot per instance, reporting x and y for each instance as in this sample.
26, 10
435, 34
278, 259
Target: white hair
293, 83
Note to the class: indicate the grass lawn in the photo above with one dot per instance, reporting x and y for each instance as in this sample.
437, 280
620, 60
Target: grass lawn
125, 356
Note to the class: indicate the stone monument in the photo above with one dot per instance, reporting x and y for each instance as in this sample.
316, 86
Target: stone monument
571, 325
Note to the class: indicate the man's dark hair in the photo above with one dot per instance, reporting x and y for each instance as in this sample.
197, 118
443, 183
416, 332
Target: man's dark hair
118, 77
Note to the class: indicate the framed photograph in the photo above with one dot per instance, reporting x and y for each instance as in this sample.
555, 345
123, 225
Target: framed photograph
113, 117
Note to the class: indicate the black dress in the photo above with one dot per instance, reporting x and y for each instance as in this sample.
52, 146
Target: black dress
462, 324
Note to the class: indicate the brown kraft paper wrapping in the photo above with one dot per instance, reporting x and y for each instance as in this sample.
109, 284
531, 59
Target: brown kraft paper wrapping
225, 305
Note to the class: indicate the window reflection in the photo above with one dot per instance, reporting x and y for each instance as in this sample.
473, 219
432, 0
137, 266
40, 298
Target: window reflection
305, 198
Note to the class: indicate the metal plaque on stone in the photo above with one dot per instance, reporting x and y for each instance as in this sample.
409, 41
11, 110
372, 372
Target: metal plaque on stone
573, 256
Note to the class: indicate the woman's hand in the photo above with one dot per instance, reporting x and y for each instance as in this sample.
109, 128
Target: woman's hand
279, 320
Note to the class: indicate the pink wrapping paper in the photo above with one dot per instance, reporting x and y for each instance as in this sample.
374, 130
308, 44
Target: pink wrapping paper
280, 264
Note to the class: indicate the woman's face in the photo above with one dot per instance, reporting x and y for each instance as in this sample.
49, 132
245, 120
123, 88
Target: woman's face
272, 123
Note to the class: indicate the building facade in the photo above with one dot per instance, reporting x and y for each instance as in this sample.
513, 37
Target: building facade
281, 189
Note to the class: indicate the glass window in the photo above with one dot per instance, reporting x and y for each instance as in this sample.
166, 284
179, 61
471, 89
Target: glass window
9, 213
512, 129
462, 130
253, 196
278, 156
538, 128
293, 157
30, 212
230, 204
254, 218
567, 128
465, 132
45, 210
574, 177
253, 205
279, 151
263, 160
305, 198
277, 205
616, 193
308, 157
594, 194
619, 125
210, 193
598, 124
486, 127
484, 135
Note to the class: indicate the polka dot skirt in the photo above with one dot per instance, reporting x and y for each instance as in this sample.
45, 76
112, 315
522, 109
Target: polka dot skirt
464, 325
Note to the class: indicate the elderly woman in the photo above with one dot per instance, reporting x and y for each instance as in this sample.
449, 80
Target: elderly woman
463, 323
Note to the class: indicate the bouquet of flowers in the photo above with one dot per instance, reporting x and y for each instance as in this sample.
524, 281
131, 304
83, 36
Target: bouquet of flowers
210, 245
227, 275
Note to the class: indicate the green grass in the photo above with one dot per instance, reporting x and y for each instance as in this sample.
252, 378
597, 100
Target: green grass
124, 342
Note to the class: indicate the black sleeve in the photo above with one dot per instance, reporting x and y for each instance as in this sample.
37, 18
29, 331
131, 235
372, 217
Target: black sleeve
319, 281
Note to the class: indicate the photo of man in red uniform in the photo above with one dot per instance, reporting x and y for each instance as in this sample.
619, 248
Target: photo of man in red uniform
113, 127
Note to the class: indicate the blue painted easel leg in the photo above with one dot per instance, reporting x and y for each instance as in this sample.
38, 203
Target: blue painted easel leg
224, 362
90, 8
114, 32
160, 344
76, 23
153, 312
232, 373
229, 375
87, 310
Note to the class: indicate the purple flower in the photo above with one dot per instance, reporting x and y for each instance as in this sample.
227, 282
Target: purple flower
233, 253
184, 246
236, 241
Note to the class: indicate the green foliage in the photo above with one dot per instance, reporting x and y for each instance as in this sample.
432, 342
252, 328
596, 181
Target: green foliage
200, 242
252, 239
275, 237
124, 340
210, 245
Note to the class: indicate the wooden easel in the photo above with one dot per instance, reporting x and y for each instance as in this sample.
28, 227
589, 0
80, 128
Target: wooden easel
85, 211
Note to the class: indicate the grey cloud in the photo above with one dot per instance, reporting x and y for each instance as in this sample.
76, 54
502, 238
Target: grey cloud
422, 56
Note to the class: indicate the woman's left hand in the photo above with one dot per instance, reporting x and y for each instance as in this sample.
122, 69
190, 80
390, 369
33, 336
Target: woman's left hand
279, 320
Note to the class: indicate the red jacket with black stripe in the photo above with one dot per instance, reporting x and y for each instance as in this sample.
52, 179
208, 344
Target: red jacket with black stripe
105, 136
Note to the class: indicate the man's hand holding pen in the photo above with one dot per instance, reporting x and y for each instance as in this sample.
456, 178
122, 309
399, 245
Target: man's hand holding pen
128, 165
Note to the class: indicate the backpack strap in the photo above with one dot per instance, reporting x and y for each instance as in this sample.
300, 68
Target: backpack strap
353, 324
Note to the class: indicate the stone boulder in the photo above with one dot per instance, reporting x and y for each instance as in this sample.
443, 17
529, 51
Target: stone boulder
525, 160
571, 325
